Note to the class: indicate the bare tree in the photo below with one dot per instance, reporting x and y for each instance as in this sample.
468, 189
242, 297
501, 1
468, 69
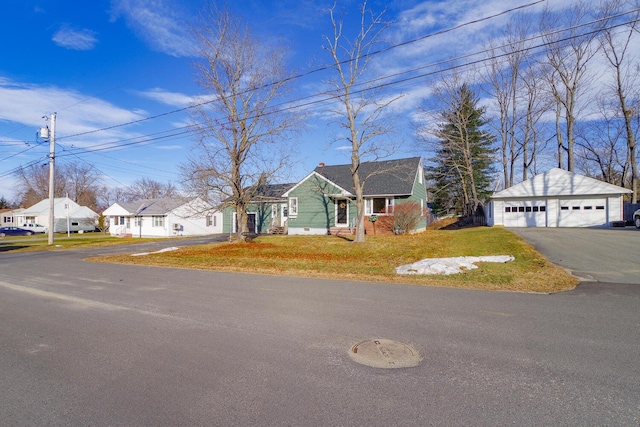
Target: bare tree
242, 137
146, 188
616, 47
82, 184
568, 53
360, 106
598, 145
504, 75
34, 183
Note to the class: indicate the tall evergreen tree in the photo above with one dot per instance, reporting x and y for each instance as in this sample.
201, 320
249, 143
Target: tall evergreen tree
462, 166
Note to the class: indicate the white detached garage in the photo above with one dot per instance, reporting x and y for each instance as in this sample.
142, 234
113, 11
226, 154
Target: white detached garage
557, 198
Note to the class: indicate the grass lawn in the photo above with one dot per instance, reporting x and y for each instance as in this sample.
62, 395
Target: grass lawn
38, 242
375, 260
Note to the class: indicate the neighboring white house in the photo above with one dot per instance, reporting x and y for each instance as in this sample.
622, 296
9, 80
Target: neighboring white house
557, 198
163, 218
65, 212
7, 217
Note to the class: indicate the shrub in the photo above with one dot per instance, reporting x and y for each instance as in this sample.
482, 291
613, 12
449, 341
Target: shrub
406, 217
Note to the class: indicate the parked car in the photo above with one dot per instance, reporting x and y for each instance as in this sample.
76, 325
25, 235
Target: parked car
14, 231
35, 228
636, 218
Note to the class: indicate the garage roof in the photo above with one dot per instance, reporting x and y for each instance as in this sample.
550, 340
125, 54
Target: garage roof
559, 182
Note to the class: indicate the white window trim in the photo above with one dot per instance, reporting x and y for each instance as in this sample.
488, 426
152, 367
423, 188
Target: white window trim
388, 202
293, 207
158, 219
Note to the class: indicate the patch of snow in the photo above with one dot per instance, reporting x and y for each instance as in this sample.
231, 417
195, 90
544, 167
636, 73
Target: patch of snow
448, 266
173, 248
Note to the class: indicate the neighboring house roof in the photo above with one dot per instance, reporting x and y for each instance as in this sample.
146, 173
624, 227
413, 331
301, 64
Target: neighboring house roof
383, 178
271, 192
558, 182
152, 206
59, 208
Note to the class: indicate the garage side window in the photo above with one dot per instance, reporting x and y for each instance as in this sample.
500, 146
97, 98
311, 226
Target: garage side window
507, 209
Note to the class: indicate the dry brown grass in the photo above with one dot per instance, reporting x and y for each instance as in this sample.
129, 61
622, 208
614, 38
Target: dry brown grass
339, 258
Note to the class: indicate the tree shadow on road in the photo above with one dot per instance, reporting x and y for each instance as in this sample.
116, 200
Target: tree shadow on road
10, 247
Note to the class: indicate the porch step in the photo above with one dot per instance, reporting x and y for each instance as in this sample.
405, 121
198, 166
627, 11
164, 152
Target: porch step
278, 230
339, 231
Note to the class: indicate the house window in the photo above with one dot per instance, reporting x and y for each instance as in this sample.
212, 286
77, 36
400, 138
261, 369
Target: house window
378, 206
158, 221
121, 220
75, 224
293, 206
211, 220
128, 222
138, 221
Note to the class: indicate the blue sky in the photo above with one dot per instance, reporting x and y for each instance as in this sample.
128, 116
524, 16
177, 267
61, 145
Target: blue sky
100, 64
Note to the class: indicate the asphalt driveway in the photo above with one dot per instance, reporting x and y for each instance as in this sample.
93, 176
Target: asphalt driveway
610, 255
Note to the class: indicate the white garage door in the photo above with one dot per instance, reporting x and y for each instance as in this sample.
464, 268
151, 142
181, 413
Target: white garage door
582, 212
525, 213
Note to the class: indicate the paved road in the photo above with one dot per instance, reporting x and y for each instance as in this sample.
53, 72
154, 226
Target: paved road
609, 255
96, 344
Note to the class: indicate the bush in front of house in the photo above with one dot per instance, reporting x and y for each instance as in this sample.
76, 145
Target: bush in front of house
406, 217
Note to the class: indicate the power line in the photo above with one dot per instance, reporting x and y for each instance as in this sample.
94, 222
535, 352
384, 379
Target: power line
297, 103
325, 97
315, 70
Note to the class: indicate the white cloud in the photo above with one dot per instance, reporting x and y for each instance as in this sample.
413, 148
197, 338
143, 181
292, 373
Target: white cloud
75, 39
156, 22
26, 104
168, 98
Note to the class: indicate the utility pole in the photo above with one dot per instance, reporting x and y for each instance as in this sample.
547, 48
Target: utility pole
52, 156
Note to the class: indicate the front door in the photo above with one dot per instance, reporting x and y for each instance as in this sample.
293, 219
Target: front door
251, 222
284, 214
342, 212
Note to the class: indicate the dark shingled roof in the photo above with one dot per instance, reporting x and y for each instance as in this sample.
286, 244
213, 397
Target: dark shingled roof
154, 206
384, 178
269, 192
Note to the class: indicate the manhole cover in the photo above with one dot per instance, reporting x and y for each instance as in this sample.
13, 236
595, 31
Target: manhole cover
383, 353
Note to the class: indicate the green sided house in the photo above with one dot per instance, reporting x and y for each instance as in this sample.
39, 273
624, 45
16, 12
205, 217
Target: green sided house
267, 211
324, 201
